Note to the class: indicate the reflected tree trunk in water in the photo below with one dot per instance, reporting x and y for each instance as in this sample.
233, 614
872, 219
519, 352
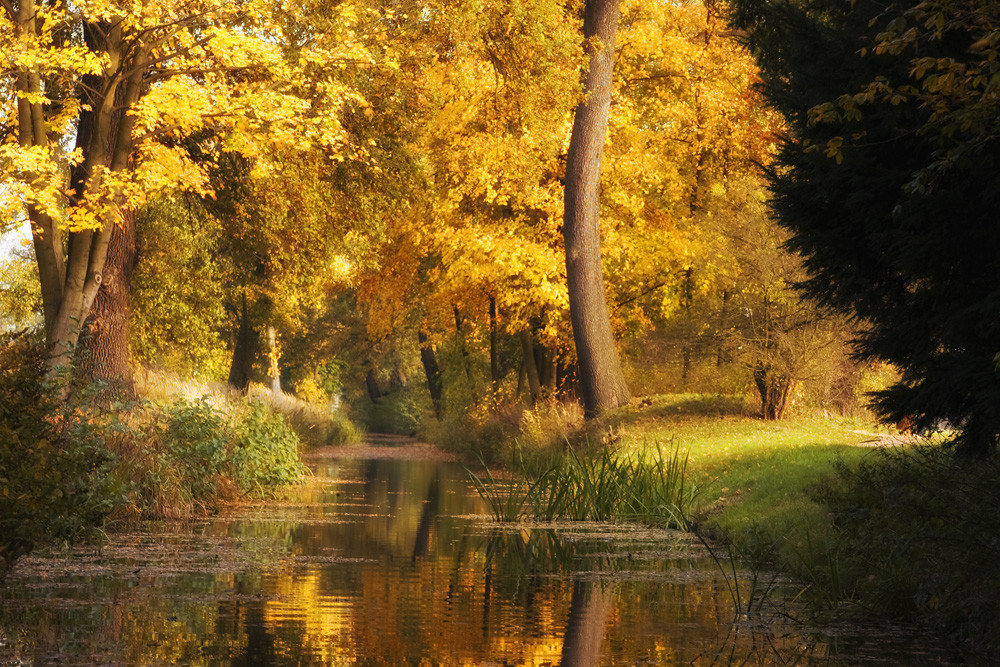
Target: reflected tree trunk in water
430, 511
588, 617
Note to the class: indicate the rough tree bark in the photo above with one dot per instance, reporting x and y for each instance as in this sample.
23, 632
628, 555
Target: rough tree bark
602, 383
69, 287
105, 340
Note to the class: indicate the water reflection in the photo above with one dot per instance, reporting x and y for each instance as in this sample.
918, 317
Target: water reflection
393, 562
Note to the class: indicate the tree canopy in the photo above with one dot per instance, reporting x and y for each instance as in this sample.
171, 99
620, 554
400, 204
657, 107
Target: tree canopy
888, 181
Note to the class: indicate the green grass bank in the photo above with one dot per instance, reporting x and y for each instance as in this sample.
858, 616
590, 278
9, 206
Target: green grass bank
868, 521
860, 515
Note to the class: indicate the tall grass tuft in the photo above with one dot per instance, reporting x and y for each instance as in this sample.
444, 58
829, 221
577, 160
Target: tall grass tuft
509, 499
650, 489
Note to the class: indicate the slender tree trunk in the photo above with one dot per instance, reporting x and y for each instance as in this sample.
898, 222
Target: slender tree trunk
466, 361
689, 328
273, 356
774, 390
601, 379
720, 355
546, 361
494, 353
433, 372
530, 368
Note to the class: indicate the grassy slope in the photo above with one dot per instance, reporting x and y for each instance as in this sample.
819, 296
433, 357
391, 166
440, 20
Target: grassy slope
755, 479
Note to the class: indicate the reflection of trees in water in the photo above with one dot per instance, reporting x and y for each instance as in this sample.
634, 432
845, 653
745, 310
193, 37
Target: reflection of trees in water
588, 618
427, 516
420, 585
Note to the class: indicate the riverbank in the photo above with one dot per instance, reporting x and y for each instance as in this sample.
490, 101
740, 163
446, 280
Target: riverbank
390, 560
887, 524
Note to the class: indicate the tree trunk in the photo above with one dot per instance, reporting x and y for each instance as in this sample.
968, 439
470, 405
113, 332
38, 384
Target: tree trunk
104, 136
774, 389
433, 372
494, 353
689, 326
530, 367
105, 342
466, 361
371, 385
273, 355
244, 349
720, 354
601, 379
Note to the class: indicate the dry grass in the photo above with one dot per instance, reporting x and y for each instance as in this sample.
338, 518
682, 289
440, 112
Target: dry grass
316, 425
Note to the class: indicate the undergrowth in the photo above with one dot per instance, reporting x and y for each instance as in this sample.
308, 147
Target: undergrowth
57, 478
68, 469
920, 534
186, 455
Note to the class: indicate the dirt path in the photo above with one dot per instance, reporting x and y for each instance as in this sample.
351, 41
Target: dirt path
383, 446
886, 439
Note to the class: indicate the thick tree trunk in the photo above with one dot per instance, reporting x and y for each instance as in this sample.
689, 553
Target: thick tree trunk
429, 360
105, 342
601, 379
104, 136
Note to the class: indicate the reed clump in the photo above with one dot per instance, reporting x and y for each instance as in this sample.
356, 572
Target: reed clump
650, 488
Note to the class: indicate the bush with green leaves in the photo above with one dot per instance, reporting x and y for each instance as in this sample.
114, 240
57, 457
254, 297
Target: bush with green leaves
264, 450
194, 453
57, 478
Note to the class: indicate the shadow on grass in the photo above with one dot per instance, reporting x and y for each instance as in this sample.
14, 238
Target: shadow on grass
667, 408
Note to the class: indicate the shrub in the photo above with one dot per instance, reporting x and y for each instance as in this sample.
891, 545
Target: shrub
264, 452
493, 429
56, 475
195, 454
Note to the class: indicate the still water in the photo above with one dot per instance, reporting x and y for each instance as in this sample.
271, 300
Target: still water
393, 562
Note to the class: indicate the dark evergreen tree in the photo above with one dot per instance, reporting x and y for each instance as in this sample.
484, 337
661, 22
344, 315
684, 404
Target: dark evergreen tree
889, 181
